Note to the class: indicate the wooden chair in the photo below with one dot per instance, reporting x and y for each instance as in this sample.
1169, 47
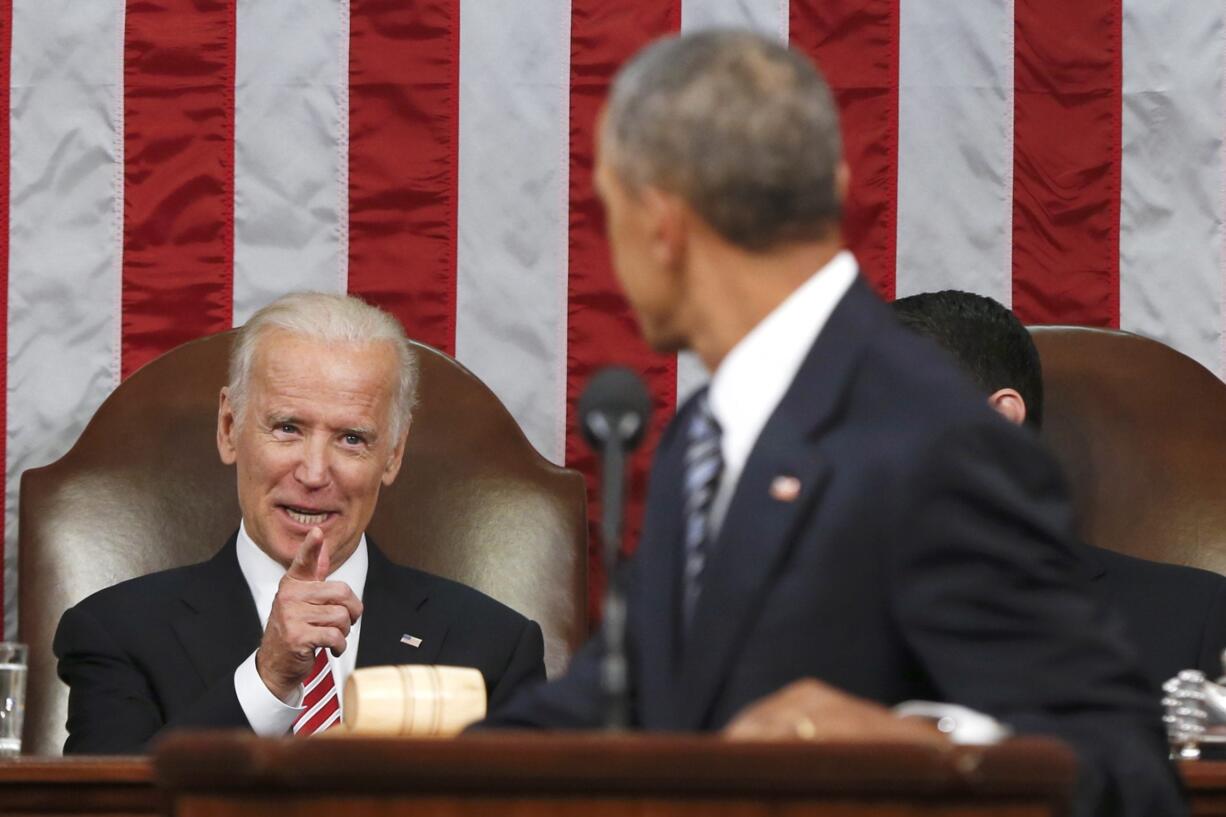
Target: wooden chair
143, 490
1141, 431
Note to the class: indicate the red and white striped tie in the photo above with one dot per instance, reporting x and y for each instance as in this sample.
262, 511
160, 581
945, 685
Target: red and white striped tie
323, 704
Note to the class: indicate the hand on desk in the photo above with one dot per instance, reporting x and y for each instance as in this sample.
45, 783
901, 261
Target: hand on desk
307, 614
811, 710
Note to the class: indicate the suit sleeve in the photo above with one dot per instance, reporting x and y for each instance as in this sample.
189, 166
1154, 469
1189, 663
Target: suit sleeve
576, 700
525, 668
570, 702
111, 707
988, 599
573, 701
1213, 636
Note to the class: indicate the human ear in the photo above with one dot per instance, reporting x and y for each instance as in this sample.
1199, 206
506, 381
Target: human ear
393, 463
668, 220
1009, 404
226, 428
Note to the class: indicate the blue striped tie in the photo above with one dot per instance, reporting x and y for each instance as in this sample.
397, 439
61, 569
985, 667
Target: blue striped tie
704, 462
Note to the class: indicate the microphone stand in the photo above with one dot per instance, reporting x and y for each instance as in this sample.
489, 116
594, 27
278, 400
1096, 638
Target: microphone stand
614, 409
613, 670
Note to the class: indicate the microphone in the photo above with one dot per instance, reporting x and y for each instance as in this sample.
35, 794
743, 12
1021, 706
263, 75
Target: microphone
614, 408
613, 413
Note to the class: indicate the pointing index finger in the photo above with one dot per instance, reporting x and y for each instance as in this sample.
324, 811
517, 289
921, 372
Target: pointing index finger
311, 563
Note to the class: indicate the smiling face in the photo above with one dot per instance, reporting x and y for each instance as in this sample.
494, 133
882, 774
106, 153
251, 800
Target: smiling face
315, 443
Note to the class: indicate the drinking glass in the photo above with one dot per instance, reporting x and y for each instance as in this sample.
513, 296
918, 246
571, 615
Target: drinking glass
13, 663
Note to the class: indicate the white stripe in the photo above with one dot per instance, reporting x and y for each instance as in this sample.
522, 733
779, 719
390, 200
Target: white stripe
955, 147
65, 233
768, 17
512, 230
287, 169
1221, 243
342, 149
1171, 210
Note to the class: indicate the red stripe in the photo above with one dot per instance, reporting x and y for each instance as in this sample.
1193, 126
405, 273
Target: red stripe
403, 149
1066, 161
325, 683
855, 42
178, 174
601, 328
6, 49
318, 719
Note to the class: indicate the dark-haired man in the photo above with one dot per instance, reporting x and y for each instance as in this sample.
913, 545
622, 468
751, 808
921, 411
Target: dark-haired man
1175, 615
839, 524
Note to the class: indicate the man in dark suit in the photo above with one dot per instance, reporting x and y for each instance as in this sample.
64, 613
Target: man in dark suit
263, 635
1175, 615
839, 524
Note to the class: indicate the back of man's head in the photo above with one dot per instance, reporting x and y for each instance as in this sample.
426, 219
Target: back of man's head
986, 339
739, 126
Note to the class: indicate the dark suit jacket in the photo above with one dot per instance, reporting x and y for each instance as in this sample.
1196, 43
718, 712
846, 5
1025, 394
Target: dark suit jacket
1174, 615
927, 556
160, 651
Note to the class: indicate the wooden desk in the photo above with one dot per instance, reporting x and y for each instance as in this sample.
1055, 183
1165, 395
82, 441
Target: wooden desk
123, 787
224, 775
1206, 782
105, 787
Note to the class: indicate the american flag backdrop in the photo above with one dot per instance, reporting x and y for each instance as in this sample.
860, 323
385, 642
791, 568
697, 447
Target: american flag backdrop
172, 165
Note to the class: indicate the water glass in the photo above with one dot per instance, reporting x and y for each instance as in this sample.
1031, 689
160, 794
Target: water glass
13, 662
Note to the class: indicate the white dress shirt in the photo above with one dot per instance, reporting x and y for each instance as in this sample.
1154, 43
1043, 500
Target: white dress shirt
752, 378
268, 714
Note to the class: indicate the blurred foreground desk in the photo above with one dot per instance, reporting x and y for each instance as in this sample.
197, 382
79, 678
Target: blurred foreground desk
98, 786
683, 782
556, 775
1206, 782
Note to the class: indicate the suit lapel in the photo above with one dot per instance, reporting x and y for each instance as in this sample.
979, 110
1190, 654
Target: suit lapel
396, 609
657, 565
780, 483
218, 625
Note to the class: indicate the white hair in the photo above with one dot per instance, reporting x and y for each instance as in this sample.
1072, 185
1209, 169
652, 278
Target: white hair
332, 318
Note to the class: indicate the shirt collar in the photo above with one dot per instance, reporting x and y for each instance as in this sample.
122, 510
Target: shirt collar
752, 379
263, 573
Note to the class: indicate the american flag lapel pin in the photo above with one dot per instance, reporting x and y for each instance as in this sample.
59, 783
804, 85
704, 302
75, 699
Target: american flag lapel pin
785, 488
411, 640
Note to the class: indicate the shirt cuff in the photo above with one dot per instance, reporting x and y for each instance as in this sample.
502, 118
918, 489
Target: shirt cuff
962, 724
268, 715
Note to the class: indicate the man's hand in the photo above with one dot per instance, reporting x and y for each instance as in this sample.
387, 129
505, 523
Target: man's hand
307, 613
810, 710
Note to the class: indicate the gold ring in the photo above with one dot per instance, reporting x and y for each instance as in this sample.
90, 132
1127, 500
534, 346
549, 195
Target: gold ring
805, 728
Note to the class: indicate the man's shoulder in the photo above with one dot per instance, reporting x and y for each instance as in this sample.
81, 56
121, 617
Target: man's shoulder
143, 596
922, 375
909, 397
458, 601
1188, 584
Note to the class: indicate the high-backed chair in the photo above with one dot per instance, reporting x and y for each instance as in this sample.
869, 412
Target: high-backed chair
143, 490
1141, 431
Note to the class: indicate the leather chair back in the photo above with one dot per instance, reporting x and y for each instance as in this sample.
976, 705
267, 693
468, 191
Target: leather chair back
143, 490
1141, 431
